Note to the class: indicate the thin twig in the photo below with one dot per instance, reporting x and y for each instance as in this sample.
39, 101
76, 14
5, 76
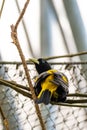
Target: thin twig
15, 84
76, 101
4, 119
71, 105
16, 42
68, 55
3, 2
25, 30
52, 58
16, 88
77, 95
69, 63
53, 63
21, 15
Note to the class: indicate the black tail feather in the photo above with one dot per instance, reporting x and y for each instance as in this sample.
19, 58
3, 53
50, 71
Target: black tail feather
45, 97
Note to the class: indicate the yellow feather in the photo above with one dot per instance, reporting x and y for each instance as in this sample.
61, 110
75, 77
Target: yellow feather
65, 79
47, 84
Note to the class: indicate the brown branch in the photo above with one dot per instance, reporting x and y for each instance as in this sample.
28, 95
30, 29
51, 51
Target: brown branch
21, 15
53, 63
71, 105
76, 101
3, 2
25, 30
4, 119
77, 95
18, 89
68, 55
16, 42
15, 84
52, 58
69, 63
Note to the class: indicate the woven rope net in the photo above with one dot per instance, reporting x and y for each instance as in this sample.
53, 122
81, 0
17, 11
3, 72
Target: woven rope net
20, 112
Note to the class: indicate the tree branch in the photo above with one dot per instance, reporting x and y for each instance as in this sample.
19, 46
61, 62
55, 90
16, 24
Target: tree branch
4, 119
3, 2
71, 105
18, 88
68, 55
16, 42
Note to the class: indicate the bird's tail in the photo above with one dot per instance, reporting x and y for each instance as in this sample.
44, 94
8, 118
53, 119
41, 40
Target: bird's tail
44, 98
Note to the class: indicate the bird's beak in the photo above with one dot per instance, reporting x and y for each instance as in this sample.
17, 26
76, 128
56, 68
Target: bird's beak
35, 61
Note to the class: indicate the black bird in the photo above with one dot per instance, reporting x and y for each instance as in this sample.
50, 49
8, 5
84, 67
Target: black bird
51, 85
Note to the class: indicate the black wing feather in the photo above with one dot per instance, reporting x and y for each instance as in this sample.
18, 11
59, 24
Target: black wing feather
62, 89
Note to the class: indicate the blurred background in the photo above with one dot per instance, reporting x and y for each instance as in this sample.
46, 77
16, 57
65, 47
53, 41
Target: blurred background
48, 28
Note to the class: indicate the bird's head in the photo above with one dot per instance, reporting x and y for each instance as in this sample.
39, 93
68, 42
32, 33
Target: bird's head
41, 65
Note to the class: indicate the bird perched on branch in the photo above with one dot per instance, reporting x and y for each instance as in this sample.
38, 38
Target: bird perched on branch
51, 85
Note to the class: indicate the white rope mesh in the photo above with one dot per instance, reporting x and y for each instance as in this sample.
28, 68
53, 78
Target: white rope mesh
20, 112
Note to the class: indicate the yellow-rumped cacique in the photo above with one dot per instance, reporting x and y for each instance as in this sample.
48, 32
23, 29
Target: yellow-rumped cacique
50, 85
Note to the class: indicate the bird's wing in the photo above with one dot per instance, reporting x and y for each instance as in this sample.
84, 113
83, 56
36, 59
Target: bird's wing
40, 78
60, 79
